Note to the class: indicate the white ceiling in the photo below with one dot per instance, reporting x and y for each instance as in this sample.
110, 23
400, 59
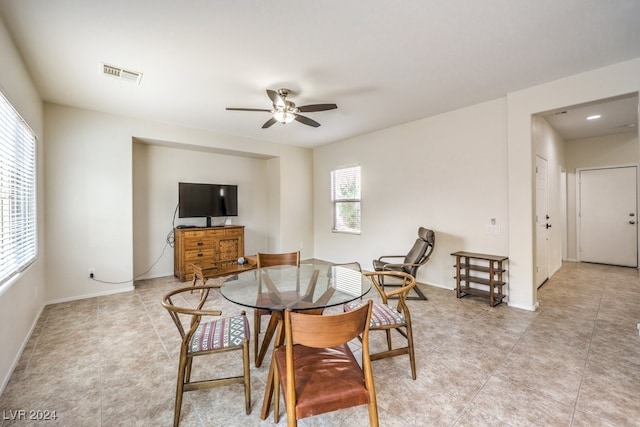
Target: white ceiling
617, 115
383, 62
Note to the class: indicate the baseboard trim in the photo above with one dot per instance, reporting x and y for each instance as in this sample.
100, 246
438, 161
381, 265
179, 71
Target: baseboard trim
524, 307
92, 295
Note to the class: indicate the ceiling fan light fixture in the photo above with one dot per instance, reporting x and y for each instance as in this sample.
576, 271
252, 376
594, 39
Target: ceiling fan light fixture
284, 116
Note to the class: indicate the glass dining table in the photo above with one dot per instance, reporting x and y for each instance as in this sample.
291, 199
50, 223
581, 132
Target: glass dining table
311, 288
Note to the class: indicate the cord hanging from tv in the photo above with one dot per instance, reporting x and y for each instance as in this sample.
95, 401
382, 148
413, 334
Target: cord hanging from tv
208, 201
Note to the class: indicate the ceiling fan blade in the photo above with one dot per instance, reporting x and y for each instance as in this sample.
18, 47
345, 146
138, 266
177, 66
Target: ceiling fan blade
317, 107
275, 98
269, 123
307, 121
248, 109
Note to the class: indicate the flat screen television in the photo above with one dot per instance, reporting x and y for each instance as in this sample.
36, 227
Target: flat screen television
207, 200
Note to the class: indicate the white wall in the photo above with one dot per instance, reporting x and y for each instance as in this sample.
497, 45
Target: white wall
611, 150
446, 172
22, 297
90, 191
156, 173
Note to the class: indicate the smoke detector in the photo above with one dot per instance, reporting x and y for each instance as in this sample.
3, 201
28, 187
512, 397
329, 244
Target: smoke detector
121, 73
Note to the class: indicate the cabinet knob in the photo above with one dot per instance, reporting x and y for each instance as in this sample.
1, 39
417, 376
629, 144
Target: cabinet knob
200, 243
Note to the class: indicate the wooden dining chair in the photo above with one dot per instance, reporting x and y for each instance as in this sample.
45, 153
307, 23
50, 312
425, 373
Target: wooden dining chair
319, 373
201, 338
269, 260
386, 317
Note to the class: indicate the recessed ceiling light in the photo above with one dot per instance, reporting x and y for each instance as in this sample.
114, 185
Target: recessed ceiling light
594, 117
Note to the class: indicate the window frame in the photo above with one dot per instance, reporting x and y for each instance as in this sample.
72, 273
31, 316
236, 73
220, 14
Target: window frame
336, 202
18, 193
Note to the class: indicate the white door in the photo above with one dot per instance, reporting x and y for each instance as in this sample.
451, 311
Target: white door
608, 216
542, 222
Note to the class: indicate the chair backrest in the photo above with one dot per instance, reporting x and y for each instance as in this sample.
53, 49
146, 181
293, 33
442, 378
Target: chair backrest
268, 260
195, 313
408, 282
328, 330
421, 250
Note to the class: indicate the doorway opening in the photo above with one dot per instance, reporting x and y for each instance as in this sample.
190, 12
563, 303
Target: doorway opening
578, 141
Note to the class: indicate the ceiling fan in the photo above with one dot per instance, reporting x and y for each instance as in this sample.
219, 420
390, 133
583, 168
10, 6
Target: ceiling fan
285, 111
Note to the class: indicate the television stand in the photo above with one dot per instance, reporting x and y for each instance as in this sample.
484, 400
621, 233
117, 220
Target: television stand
220, 245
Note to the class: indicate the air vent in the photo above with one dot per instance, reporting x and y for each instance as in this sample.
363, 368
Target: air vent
121, 73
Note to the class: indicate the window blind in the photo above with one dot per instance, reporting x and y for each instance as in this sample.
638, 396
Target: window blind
345, 195
18, 245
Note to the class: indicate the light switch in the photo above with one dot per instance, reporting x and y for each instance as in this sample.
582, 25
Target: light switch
493, 229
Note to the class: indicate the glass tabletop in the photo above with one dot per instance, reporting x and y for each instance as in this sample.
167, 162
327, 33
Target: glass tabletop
310, 286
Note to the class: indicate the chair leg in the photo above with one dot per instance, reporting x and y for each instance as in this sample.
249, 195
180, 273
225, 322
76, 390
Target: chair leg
276, 393
182, 366
412, 356
187, 370
247, 376
291, 416
256, 333
373, 414
388, 331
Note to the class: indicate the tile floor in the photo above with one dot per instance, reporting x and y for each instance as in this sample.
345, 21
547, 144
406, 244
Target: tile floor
111, 361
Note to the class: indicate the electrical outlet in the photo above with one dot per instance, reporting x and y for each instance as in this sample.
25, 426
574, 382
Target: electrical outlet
92, 273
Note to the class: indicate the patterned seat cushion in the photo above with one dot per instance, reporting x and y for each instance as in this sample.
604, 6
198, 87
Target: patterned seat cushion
221, 333
381, 314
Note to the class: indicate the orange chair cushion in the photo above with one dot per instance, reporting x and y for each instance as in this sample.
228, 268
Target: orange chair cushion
381, 314
221, 333
327, 379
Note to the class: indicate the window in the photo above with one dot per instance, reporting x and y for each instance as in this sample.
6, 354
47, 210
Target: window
17, 192
345, 195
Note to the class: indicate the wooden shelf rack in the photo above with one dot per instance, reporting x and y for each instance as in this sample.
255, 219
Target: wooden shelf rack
480, 269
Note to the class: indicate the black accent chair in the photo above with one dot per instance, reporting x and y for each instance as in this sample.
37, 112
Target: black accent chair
418, 256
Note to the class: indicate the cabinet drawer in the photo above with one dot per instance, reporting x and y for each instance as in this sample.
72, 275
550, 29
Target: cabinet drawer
201, 243
194, 234
215, 233
234, 232
198, 256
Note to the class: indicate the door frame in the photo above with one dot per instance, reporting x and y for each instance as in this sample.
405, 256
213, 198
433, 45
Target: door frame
578, 205
564, 213
547, 260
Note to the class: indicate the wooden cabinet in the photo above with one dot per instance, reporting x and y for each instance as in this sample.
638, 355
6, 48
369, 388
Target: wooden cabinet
480, 275
219, 245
